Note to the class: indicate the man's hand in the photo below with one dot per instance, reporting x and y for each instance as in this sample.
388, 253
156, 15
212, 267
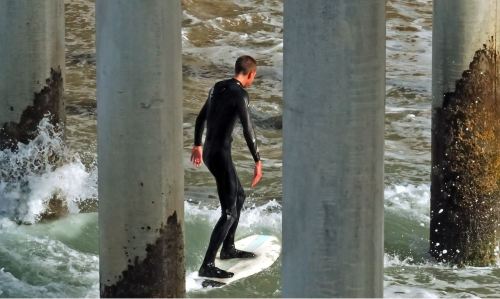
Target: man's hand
197, 155
257, 173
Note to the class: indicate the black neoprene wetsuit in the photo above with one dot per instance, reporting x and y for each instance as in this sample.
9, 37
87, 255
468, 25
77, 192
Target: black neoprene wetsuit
227, 101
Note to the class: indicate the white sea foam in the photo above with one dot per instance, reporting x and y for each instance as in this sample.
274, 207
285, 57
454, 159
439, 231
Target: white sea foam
29, 178
410, 200
253, 218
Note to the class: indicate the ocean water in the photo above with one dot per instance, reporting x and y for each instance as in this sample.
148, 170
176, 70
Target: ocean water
59, 258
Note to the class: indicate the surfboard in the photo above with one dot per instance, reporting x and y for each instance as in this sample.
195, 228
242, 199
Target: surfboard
267, 250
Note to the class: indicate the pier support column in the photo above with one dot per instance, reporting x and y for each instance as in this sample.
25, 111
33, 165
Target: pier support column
139, 103
31, 67
465, 179
333, 138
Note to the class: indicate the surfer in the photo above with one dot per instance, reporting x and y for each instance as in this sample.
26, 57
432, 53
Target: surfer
227, 101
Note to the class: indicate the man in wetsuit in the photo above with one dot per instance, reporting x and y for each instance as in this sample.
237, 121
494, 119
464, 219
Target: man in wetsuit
227, 102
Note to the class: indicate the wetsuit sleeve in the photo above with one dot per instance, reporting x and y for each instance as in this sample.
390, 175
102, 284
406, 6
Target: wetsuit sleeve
200, 122
248, 130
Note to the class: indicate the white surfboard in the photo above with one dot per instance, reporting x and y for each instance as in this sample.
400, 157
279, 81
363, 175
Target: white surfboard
267, 250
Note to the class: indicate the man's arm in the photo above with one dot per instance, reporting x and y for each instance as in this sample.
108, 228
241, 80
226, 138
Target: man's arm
249, 133
248, 130
200, 124
197, 152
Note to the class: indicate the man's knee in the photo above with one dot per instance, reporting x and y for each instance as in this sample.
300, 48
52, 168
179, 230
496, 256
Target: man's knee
231, 214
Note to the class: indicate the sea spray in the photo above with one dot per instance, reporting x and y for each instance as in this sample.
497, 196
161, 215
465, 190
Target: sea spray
30, 178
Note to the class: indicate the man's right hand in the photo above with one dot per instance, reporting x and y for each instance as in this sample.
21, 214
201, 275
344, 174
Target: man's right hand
257, 173
197, 155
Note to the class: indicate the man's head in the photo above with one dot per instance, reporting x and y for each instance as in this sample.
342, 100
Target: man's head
245, 69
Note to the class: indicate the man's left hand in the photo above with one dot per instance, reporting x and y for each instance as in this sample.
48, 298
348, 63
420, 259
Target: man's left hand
257, 173
197, 155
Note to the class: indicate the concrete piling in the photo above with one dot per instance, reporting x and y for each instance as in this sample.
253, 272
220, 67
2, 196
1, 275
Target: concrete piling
31, 67
139, 104
333, 140
465, 178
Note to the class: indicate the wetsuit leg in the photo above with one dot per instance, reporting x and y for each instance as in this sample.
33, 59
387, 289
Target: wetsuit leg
223, 170
228, 250
229, 241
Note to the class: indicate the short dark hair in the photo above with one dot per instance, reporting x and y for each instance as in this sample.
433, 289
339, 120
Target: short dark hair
245, 64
